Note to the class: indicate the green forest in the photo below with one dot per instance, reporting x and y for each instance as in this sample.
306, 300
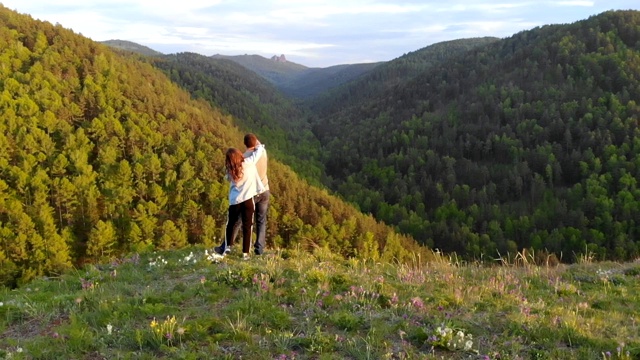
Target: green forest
480, 147
102, 155
530, 142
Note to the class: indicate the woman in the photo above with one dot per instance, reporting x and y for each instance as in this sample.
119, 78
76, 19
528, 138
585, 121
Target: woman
245, 184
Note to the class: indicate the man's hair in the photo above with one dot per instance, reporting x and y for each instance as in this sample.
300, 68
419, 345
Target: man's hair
250, 140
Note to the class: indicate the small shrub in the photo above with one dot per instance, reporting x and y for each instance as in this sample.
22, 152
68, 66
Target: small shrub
339, 282
633, 271
563, 288
315, 277
346, 320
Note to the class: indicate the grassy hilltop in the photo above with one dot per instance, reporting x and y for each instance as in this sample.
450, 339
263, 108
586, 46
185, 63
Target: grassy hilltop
298, 305
111, 189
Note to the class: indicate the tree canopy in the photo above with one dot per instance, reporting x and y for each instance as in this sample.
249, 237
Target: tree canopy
530, 142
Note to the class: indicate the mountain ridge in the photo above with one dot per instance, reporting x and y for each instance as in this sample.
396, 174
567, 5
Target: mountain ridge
131, 46
391, 74
297, 80
293, 79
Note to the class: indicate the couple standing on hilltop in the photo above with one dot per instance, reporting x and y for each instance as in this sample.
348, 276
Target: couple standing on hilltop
248, 196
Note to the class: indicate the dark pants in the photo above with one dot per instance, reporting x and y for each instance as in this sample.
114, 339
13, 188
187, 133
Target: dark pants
240, 212
261, 208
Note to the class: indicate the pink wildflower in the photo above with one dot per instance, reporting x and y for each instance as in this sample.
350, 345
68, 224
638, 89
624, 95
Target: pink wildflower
417, 303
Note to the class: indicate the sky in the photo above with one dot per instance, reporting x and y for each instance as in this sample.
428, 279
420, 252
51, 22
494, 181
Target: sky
309, 32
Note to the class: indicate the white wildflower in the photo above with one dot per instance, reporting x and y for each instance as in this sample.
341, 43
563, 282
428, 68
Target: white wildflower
468, 345
213, 256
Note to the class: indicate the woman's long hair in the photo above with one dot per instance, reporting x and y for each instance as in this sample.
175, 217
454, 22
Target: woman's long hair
233, 163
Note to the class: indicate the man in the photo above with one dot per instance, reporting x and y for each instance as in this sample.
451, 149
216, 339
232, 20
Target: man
261, 200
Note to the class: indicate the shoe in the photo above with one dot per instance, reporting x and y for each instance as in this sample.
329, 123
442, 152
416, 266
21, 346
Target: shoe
221, 250
245, 256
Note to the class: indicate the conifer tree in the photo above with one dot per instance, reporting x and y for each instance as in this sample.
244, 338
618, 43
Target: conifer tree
102, 241
209, 232
171, 236
369, 248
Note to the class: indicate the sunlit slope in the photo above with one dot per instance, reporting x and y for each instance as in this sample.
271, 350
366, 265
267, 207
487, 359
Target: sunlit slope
102, 154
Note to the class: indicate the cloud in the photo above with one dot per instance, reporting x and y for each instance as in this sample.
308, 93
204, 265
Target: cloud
574, 3
311, 32
482, 7
321, 11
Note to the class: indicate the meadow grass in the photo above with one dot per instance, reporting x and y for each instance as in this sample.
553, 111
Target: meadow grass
293, 304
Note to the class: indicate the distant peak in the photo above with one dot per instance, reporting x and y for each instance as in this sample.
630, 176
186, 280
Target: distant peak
280, 58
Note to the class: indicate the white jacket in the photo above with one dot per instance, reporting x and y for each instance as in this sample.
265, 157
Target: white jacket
249, 185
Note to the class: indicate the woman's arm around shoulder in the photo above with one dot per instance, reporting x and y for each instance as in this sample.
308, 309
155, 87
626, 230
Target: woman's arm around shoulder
257, 153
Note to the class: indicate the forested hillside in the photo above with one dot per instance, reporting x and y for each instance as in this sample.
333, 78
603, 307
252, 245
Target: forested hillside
101, 154
275, 72
387, 76
255, 104
527, 142
315, 81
